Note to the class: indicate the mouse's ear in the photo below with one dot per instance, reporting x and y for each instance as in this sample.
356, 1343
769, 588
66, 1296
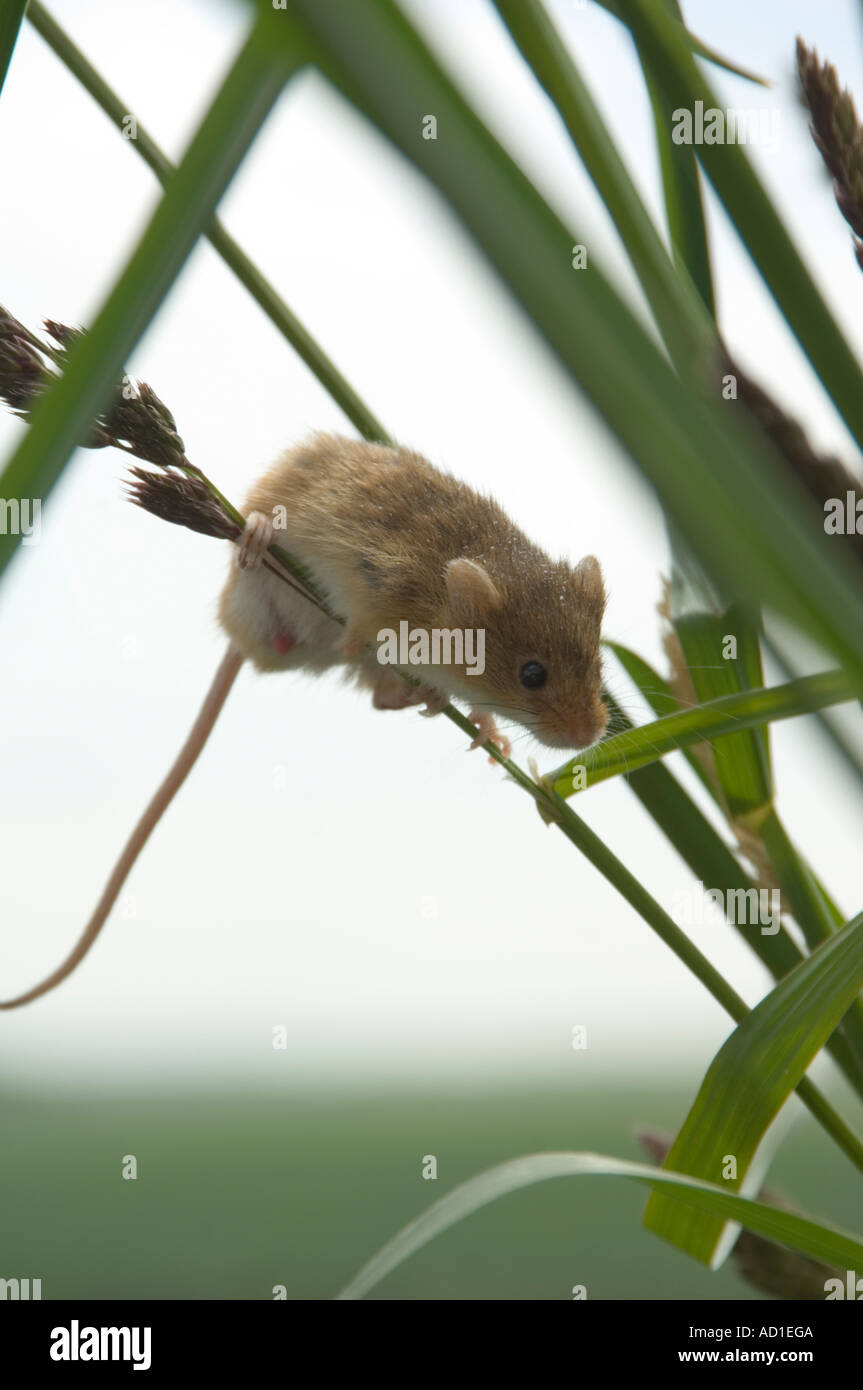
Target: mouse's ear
470, 590
588, 575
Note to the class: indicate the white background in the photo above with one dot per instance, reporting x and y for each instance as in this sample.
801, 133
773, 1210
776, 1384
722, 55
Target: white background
289, 883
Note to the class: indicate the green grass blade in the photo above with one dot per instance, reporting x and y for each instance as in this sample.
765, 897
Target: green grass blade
750, 1079
658, 694
817, 916
234, 257
654, 687
746, 792
605, 860
709, 858
761, 229
684, 207
842, 744
67, 409
684, 825
715, 866
742, 759
715, 476
699, 48
635, 748
679, 316
812, 1238
11, 16
742, 762
703, 50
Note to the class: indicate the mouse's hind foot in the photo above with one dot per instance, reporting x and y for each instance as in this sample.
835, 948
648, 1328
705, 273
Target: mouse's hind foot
389, 691
255, 541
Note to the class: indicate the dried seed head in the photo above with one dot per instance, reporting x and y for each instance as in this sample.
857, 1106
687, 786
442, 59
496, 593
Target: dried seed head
837, 134
153, 403
824, 476
23, 373
182, 501
61, 333
135, 420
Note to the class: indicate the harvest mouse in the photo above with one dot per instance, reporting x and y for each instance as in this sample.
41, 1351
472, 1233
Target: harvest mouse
396, 546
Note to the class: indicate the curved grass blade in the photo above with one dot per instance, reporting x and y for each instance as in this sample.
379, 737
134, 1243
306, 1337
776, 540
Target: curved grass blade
750, 1080
812, 1238
624, 753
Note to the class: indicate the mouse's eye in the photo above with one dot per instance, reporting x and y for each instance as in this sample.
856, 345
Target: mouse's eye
533, 675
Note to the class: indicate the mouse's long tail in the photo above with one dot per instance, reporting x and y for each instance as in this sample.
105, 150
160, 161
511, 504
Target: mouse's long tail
186, 759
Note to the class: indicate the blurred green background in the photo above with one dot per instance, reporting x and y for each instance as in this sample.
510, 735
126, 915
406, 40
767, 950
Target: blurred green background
238, 1193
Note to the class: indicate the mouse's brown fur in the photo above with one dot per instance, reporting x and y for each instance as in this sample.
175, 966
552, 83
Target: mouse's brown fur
383, 532
391, 539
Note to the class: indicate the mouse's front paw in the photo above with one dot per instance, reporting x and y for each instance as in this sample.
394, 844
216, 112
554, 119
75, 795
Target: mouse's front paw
255, 541
489, 732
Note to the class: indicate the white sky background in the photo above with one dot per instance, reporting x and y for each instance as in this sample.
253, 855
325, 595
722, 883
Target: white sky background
303, 904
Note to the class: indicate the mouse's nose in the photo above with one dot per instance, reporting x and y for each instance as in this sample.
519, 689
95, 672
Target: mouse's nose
588, 726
